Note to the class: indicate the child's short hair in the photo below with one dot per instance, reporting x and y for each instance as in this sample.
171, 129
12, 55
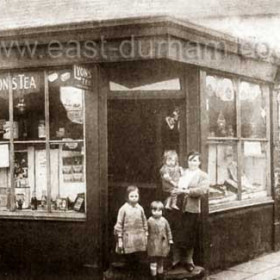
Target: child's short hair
192, 155
157, 205
170, 153
130, 189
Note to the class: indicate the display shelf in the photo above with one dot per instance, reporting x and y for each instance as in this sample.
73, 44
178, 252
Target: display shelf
220, 139
62, 141
27, 214
29, 141
224, 206
254, 139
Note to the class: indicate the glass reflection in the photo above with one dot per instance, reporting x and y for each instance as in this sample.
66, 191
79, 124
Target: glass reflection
66, 111
253, 110
254, 167
67, 175
220, 104
222, 170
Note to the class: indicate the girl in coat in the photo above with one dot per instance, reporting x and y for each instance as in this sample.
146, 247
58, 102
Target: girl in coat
159, 239
131, 228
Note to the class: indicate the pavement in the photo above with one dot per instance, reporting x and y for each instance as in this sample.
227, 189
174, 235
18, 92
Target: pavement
262, 268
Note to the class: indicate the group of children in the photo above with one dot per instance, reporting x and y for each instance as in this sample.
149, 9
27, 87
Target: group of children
137, 234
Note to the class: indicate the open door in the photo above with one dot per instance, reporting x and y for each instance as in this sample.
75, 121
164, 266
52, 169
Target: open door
139, 131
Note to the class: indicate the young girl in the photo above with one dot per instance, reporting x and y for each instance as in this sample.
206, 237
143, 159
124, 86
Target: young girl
170, 174
131, 228
159, 239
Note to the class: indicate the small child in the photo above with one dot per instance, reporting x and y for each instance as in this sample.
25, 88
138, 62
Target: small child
159, 239
131, 228
170, 174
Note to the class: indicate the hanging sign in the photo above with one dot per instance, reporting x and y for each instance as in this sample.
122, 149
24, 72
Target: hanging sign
23, 82
82, 77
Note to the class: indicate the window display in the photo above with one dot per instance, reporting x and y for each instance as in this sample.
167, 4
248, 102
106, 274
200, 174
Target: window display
253, 110
221, 107
68, 180
237, 139
222, 169
255, 167
28, 105
4, 112
47, 149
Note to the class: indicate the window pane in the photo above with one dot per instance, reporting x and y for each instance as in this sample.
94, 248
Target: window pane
29, 105
220, 106
4, 176
253, 110
255, 169
67, 176
66, 106
4, 108
222, 170
30, 177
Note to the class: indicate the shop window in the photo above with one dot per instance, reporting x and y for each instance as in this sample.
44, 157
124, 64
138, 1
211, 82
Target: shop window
255, 168
42, 166
222, 169
66, 112
220, 104
67, 175
238, 137
253, 111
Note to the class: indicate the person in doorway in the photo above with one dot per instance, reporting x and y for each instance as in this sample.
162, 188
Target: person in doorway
131, 228
159, 240
170, 173
184, 223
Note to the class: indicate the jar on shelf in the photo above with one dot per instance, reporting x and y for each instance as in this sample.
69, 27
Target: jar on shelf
41, 129
43, 200
34, 201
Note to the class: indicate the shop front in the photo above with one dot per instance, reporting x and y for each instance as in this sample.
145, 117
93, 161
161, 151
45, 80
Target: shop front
92, 110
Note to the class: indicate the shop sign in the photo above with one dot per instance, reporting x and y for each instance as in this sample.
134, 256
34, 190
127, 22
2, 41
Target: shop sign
24, 82
82, 77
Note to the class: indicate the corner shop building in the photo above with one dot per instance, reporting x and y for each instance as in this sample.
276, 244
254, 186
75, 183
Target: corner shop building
93, 109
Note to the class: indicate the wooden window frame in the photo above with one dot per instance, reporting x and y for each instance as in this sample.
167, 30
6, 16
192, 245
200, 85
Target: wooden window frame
12, 213
240, 202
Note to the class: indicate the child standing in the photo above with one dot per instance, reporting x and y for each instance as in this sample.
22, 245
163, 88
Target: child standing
131, 228
170, 174
159, 239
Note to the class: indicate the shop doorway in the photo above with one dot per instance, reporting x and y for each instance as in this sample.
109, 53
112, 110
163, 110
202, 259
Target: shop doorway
139, 131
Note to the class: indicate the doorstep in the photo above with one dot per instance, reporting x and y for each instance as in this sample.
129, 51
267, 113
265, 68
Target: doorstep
142, 272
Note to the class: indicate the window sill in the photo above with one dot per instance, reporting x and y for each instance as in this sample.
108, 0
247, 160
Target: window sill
233, 205
43, 215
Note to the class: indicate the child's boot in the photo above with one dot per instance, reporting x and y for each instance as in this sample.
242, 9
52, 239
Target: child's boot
153, 269
160, 270
175, 207
168, 204
174, 204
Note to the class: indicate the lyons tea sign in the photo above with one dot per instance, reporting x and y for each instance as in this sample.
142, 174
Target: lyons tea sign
24, 82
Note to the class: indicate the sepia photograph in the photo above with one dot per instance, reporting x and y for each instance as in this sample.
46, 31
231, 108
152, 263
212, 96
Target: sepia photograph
140, 140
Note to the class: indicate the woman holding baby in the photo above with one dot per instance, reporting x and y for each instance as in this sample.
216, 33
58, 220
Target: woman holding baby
192, 185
